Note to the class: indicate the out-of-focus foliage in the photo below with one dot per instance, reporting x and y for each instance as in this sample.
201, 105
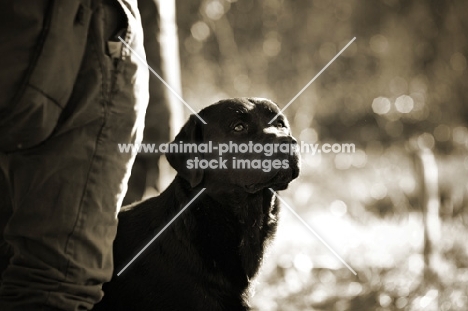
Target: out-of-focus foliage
401, 86
406, 74
340, 204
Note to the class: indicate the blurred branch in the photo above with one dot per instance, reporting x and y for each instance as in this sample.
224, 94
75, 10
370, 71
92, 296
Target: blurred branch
170, 60
230, 59
428, 176
170, 65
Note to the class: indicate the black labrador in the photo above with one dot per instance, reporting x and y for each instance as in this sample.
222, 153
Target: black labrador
207, 257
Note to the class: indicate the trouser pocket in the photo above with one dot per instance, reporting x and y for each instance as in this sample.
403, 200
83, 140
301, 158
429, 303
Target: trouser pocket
29, 115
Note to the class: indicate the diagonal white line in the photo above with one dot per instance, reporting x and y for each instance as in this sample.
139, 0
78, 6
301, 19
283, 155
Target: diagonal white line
313, 79
159, 233
162, 80
313, 231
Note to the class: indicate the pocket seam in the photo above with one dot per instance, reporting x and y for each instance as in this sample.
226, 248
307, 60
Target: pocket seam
37, 52
45, 95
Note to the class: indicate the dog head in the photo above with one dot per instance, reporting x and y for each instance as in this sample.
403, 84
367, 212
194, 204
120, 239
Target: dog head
238, 147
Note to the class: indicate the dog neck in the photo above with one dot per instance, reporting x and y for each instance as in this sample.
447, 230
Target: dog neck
235, 199
252, 215
232, 197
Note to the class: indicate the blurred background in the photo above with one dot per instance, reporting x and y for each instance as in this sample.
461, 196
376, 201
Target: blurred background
396, 209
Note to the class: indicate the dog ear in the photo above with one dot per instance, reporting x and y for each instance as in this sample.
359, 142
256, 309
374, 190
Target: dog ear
191, 133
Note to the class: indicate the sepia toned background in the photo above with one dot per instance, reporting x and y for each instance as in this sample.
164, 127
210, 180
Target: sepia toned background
396, 209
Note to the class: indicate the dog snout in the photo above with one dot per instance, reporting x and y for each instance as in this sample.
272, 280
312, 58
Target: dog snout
278, 135
276, 131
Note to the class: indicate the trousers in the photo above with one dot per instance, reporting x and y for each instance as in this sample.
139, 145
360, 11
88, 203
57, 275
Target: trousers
70, 92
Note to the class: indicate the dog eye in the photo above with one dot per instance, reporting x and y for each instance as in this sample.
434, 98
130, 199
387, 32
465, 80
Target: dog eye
240, 127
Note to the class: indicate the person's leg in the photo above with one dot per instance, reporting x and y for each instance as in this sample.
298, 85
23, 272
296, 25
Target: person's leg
66, 191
